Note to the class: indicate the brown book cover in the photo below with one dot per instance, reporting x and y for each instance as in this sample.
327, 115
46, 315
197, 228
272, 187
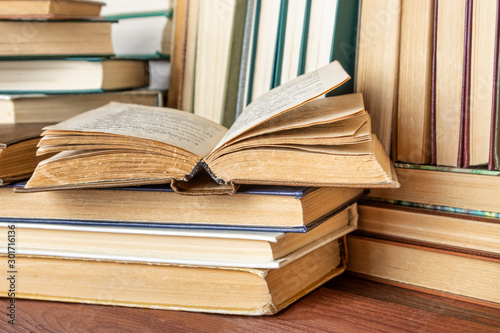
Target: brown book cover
433, 86
494, 160
463, 148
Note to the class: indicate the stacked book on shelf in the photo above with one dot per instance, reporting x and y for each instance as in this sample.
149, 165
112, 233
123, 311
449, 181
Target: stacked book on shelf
438, 232
259, 219
58, 61
143, 30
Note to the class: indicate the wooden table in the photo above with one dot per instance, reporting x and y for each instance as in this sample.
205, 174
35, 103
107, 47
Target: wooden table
345, 304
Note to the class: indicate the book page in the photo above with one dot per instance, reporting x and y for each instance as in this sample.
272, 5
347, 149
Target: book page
177, 128
292, 94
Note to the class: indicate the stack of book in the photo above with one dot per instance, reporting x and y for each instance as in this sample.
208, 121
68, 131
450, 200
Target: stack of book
56, 62
262, 220
439, 232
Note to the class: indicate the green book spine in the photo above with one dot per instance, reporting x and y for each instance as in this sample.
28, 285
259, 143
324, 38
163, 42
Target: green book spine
344, 41
235, 53
305, 36
280, 44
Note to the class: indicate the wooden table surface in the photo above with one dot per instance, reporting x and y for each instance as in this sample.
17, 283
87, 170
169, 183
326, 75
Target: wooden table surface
345, 304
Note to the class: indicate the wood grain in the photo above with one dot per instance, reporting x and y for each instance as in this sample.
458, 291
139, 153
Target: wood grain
345, 304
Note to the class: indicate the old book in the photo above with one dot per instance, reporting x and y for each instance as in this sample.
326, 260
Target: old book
482, 84
41, 108
53, 76
467, 189
56, 38
450, 74
466, 276
178, 53
414, 91
50, 8
18, 145
207, 247
379, 44
438, 229
321, 143
219, 43
254, 208
247, 291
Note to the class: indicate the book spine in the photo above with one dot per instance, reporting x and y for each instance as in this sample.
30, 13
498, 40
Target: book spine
494, 156
280, 44
245, 57
433, 85
254, 51
305, 37
464, 142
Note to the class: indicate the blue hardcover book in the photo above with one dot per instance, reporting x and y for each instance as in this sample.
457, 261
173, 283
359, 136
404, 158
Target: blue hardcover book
265, 208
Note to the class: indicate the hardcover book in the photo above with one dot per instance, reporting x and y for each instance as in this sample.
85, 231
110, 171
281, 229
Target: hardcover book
18, 145
60, 9
46, 38
56, 76
326, 142
230, 290
203, 247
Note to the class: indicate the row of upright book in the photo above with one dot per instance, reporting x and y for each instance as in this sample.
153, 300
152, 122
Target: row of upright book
435, 99
272, 197
434, 107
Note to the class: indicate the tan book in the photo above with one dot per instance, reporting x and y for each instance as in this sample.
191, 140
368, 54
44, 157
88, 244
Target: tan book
449, 80
466, 276
39, 76
254, 207
18, 145
414, 92
481, 87
40, 108
470, 191
378, 44
441, 229
194, 246
56, 38
50, 8
231, 290
326, 142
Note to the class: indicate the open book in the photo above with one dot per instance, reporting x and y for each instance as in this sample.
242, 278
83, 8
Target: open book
285, 137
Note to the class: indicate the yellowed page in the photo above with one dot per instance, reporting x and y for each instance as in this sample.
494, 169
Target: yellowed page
177, 128
288, 96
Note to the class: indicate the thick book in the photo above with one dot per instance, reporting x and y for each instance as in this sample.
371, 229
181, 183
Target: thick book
18, 145
471, 191
219, 42
203, 247
57, 76
45, 38
454, 274
438, 229
414, 90
279, 140
379, 44
230, 290
254, 208
60, 9
53, 108
450, 81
